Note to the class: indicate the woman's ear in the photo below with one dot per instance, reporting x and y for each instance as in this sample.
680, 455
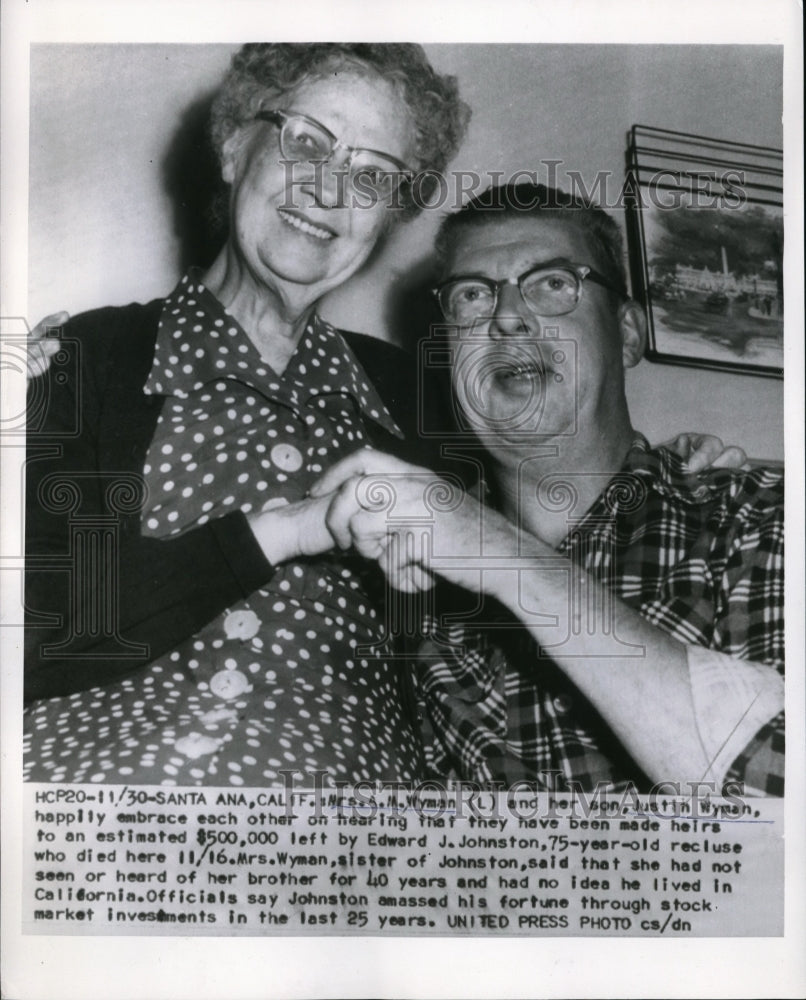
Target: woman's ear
230, 154
632, 323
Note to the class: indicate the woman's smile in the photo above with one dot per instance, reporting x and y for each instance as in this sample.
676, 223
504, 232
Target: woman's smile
303, 225
291, 228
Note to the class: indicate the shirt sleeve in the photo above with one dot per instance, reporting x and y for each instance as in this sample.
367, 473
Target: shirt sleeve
738, 710
740, 696
749, 611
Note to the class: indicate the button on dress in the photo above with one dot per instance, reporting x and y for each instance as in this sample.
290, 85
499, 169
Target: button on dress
296, 677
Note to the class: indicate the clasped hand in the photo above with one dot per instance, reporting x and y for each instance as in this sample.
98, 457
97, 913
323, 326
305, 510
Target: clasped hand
410, 520
415, 523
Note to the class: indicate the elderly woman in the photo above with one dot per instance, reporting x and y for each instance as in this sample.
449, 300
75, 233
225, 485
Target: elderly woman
184, 626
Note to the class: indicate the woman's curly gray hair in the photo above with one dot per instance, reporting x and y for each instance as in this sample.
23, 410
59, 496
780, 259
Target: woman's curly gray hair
437, 113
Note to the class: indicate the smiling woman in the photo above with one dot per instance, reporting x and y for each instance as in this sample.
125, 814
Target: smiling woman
295, 234
208, 636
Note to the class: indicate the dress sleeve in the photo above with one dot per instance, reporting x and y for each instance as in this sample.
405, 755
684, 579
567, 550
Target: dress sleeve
101, 600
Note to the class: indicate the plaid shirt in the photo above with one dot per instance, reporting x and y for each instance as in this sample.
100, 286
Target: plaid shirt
699, 556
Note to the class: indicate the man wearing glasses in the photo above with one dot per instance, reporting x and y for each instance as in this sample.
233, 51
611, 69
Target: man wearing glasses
628, 626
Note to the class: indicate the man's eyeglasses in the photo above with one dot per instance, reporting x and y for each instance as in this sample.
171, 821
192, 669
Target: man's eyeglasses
305, 140
550, 289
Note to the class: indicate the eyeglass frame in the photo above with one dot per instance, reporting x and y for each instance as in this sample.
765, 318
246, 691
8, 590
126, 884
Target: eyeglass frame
280, 118
580, 271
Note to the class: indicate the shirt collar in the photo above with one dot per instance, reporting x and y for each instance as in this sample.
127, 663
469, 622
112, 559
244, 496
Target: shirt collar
198, 342
645, 470
666, 473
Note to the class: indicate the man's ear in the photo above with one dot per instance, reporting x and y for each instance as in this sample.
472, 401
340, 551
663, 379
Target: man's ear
632, 324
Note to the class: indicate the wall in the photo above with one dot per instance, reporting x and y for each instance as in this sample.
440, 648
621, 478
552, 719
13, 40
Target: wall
103, 228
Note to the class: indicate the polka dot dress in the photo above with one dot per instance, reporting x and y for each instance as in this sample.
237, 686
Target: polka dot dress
296, 677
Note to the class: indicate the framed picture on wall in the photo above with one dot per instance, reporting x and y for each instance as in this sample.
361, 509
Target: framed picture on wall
706, 249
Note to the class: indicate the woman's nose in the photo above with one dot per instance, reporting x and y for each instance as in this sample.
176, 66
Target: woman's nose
512, 317
324, 182
331, 182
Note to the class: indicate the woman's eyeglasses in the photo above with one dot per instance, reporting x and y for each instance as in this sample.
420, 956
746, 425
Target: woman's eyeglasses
305, 140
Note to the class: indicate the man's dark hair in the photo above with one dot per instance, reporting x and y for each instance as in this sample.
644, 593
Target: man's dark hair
498, 202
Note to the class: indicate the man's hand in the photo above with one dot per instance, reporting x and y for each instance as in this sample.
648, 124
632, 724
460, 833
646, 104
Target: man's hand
366, 487
705, 451
42, 345
413, 522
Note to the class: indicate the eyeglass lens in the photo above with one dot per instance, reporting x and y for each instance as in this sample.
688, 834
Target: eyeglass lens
301, 140
549, 292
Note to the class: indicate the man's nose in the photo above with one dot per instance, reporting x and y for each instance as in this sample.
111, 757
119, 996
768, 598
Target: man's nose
512, 317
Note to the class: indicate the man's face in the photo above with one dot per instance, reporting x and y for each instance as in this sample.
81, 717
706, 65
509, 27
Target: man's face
519, 376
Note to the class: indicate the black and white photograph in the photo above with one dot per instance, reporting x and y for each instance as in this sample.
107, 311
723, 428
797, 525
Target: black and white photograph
393, 457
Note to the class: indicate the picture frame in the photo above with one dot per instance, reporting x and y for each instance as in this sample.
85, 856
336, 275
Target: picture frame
705, 229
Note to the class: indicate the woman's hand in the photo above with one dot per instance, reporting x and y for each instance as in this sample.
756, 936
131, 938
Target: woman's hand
373, 498
293, 530
413, 522
705, 451
41, 345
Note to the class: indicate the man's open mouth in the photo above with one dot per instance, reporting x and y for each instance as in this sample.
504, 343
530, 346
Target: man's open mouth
304, 226
523, 371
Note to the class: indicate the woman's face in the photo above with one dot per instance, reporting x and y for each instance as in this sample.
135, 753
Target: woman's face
298, 233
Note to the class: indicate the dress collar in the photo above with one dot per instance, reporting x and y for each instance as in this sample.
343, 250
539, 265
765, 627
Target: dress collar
199, 342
